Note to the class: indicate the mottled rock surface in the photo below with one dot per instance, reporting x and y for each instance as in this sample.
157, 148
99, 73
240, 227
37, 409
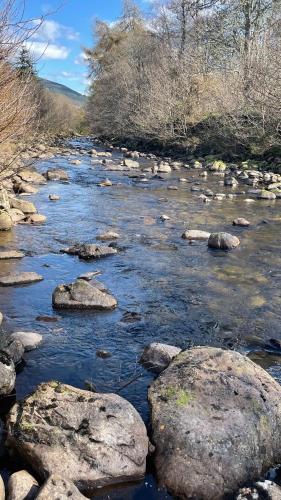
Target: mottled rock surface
89, 438
82, 295
216, 420
22, 486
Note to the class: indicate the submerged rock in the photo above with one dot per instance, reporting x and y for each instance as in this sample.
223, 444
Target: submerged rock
90, 251
157, 357
22, 486
20, 279
29, 340
91, 439
195, 234
82, 295
223, 241
216, 420
7, 374
58, 488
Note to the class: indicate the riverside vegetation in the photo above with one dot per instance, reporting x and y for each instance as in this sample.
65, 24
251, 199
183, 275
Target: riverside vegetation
140, 343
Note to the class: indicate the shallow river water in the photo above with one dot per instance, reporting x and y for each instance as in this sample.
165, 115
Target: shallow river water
184, 294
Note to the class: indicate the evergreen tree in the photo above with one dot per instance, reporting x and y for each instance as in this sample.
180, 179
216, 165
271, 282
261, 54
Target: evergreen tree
25, 65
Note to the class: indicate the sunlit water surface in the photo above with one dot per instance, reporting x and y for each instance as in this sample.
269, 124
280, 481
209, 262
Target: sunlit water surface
185, 294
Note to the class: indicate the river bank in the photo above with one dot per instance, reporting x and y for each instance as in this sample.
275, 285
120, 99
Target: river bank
167, 289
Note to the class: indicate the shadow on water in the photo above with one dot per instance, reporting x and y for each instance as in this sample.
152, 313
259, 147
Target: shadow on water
181, 294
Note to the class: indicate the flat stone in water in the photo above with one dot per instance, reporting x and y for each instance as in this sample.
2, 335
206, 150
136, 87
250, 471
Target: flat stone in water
90, 251
11, 254
195, 234
20, 279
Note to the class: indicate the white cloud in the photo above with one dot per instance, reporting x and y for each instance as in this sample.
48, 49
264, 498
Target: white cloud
42, 50
50, 31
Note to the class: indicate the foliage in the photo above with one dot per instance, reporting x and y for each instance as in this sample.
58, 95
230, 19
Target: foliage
204, 73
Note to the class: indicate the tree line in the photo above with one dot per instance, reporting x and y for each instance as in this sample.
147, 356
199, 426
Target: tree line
27, 108
200, 75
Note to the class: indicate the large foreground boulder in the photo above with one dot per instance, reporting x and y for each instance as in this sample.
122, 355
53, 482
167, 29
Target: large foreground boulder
90, 251
216, 419
60, 489
7, 374
223, 241
82, 295
89, 438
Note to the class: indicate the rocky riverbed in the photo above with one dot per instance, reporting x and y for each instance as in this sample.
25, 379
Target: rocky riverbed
116, 250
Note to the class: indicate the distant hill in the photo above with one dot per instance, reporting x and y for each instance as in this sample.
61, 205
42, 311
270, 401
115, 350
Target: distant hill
58, 88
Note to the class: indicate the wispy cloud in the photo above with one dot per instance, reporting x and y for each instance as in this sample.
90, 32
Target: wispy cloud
50, 31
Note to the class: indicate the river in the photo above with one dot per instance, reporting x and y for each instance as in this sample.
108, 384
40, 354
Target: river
183, 294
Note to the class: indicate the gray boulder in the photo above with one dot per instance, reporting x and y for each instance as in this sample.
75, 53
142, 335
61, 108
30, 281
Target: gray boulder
223, 241
90, 251
216, 420
7, 374
82, 295
157, 357
60, 489
22, 486
89, 438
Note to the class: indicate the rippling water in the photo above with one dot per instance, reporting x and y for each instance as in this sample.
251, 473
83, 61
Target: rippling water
185, 294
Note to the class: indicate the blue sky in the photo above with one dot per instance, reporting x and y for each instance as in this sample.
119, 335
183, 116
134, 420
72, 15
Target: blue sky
58, 43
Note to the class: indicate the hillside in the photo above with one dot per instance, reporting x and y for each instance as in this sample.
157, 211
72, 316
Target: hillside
58, 88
